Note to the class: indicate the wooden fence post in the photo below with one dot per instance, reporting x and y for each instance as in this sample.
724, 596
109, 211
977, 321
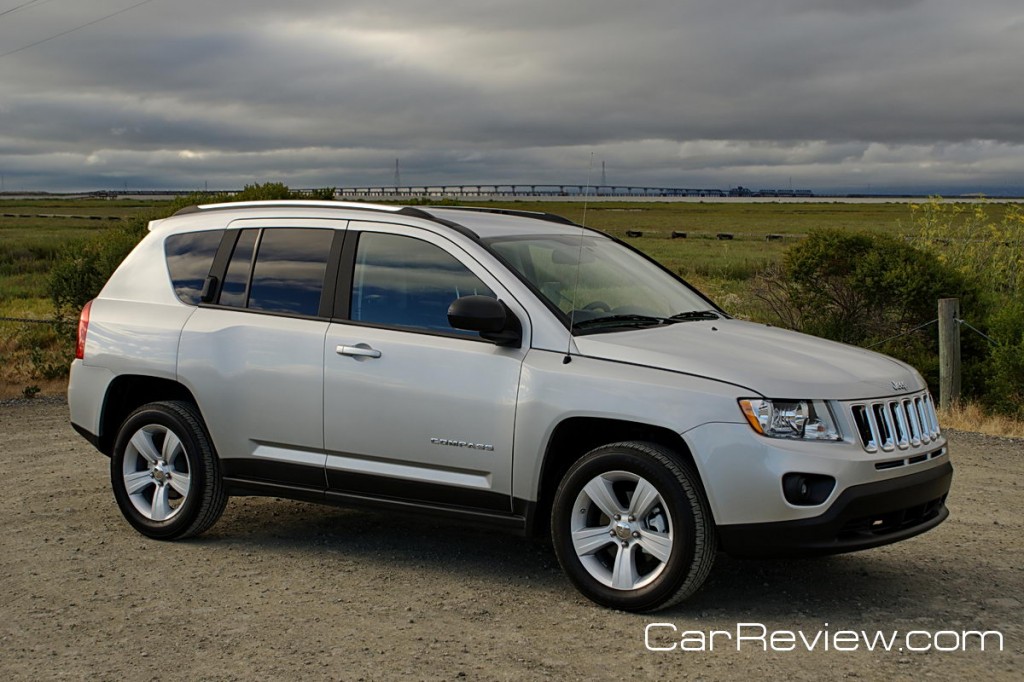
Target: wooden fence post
949, 352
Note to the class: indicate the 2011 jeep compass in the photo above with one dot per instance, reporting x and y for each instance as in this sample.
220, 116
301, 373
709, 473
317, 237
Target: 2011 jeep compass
500, 366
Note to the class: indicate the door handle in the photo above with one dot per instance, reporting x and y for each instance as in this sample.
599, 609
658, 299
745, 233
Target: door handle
360, 351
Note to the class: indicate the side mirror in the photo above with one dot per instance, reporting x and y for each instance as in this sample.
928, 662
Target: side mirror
489, 317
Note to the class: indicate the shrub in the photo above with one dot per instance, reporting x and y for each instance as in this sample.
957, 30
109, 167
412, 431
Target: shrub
867, 289
321, 194
82, 267
1006, 367
856, 287
984, 243
265, 192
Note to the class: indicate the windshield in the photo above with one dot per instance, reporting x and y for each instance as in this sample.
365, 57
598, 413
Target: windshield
616, 286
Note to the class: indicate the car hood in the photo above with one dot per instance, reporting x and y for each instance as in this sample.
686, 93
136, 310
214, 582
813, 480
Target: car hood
772, 362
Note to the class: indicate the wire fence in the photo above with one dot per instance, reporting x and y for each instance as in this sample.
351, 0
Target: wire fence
909, 331
33, 320
961, 323
985, 336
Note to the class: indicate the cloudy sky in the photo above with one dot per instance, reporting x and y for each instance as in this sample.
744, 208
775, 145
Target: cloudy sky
850, 95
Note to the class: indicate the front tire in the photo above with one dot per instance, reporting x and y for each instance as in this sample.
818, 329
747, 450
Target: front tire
632, 528
165, 473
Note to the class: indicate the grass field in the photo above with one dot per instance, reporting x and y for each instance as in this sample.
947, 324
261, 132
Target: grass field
32, 232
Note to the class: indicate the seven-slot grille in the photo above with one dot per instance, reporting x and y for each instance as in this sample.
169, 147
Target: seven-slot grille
896, 422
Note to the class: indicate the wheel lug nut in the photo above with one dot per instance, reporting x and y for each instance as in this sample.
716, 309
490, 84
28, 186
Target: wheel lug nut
618, 517
636, 533
612, 533
632, 518
625, 544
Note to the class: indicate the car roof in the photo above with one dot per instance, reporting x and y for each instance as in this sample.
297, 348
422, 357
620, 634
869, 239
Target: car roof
479, 223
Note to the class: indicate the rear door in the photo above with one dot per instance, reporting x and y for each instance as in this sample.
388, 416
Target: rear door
414, 409
253, 356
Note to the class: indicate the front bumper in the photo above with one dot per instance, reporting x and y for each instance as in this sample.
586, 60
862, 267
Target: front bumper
861, 517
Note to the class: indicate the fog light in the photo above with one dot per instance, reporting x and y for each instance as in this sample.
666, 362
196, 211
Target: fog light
807, 490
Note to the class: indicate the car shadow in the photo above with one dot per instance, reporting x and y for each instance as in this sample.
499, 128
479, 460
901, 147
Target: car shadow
838, 587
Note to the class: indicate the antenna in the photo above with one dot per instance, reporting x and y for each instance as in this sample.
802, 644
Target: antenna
579, 262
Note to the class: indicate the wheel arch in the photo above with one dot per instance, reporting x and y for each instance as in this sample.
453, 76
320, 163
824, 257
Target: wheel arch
576, 436
128, 392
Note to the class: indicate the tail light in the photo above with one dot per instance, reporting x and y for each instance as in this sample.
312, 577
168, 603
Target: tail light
83, 329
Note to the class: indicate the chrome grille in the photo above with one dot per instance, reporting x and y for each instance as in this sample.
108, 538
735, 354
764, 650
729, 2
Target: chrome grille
896, 423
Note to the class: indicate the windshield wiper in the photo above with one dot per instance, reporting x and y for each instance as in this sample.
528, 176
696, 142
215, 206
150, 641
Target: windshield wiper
620, 321
695, 315
612, 321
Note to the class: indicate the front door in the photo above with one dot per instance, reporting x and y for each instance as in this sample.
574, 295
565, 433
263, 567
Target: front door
413, 409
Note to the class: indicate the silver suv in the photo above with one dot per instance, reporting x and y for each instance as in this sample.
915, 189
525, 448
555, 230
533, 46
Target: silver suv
496, 366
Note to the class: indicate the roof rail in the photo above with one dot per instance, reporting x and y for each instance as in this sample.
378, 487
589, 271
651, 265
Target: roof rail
412, 211
286, 203
536, 215
458, 227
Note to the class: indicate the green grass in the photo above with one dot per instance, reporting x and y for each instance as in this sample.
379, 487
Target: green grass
758, 219
36, 355
723, 269
702, 255
29, 243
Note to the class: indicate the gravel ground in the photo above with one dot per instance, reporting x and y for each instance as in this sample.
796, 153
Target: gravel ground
283, 589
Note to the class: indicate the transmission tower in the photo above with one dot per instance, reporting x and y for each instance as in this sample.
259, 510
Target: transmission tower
398, 175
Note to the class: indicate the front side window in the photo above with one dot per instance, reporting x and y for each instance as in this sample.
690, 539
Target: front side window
406, 282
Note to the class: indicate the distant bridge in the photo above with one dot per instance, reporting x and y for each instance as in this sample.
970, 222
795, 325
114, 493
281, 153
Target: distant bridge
524, 190
392, 192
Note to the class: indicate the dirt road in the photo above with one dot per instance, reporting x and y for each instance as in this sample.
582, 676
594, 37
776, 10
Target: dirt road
282, 589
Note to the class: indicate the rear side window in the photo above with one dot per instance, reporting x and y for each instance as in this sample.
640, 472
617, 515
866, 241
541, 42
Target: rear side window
236, 280
287, 273
189, 257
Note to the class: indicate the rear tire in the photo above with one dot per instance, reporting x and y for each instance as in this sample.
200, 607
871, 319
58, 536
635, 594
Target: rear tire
632, 528
165, 473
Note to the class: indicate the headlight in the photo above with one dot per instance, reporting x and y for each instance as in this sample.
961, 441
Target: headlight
796, 419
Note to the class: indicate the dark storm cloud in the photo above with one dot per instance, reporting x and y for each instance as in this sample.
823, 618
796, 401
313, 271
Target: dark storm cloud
694, 93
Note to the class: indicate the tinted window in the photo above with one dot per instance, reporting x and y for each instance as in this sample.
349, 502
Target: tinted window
189, 257
288, 276
236, 279
406, 282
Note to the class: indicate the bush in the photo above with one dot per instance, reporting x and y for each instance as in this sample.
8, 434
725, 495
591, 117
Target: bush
984, 243
1006, 366
266, 192
866, 289
321, 194
856, 287
83, 267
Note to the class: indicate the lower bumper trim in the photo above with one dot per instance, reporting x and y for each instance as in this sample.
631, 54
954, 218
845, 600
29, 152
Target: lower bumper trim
89, 436
863, 516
